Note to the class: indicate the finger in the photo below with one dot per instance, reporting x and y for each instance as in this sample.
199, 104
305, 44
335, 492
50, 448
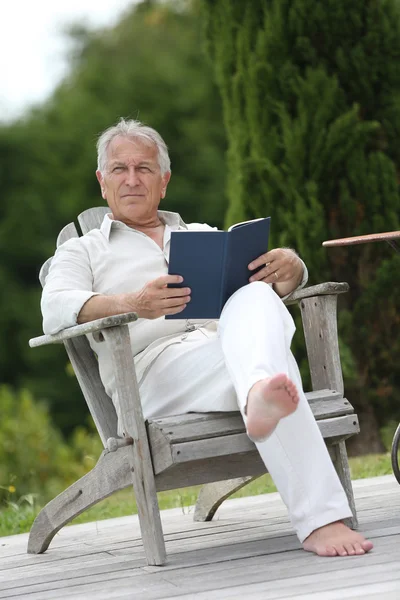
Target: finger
268, 257
259, 276
174, 292
258, 262
174, 302
269, 271
175, 310
166, 280
278, 276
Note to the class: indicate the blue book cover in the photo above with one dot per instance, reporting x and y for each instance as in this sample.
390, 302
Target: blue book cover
214, 264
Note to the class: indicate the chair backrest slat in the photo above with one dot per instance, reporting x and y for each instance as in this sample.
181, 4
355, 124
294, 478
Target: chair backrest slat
81, 355
44, 270
92, 218
68, 232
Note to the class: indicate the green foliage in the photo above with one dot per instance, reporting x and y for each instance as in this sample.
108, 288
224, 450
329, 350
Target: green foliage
311, 105
18, 516
387, 434
150, 66
35, 461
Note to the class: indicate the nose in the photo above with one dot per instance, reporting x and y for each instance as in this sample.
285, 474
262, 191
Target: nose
132, 178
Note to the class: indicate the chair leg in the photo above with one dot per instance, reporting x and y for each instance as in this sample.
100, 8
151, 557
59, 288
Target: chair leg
111, 473
339, 457
212, 495
145, 491
132, 423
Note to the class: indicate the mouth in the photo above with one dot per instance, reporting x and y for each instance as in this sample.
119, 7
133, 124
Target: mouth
132, 196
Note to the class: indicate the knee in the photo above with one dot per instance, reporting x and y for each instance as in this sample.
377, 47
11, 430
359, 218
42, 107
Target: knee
260, 285
260, 289
253, 294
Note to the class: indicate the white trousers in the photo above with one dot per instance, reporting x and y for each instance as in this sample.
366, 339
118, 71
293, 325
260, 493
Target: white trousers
204, 373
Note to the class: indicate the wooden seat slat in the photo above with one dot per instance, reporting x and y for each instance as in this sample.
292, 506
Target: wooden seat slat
166, 452
192, 426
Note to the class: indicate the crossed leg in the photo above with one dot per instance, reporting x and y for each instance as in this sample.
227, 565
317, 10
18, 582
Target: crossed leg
277, 416
269, 401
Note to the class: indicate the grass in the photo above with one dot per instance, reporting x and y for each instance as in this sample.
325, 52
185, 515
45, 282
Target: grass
18, 517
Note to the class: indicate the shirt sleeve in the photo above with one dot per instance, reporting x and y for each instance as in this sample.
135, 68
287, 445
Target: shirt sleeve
302, 282
68, 286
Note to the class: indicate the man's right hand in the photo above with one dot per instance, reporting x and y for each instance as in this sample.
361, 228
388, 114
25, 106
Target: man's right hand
156, 299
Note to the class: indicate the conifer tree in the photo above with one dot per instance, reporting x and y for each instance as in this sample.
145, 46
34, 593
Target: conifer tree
311, 99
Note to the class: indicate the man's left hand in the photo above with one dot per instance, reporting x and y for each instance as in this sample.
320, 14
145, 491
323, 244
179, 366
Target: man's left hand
282, 267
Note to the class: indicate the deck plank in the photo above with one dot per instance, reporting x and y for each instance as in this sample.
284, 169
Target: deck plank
249, 550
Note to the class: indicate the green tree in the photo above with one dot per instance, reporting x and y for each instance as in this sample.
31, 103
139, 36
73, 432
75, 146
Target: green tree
311, 101
150, 66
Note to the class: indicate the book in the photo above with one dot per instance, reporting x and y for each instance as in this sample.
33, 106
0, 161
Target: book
214, 264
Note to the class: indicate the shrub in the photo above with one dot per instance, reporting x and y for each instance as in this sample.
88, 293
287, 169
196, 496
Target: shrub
34, 457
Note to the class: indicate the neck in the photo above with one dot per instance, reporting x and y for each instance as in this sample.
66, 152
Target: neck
147, 227
153, 229
145, 224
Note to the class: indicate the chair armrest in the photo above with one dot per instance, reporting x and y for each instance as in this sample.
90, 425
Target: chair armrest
84, 329
322, 289
318, 306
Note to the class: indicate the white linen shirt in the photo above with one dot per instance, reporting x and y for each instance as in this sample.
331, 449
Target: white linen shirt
118, 259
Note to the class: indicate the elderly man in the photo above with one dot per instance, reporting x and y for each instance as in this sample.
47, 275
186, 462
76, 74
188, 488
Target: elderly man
243, 361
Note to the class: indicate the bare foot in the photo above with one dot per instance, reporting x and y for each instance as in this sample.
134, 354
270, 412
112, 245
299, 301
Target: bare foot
269, 400
336, 539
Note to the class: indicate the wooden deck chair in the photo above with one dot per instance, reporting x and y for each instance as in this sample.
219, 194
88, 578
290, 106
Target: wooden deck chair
168, 453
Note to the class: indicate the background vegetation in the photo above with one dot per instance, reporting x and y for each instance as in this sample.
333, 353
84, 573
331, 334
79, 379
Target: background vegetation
306, 131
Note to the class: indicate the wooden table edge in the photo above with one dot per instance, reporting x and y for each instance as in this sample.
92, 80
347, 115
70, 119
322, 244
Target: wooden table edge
362, 239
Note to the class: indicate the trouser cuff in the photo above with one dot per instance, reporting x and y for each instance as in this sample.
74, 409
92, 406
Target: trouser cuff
324, 518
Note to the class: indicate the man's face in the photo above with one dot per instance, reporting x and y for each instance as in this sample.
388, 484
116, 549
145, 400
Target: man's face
132, 182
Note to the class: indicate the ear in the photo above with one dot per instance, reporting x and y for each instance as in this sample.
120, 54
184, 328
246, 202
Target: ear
165, 180
100, 179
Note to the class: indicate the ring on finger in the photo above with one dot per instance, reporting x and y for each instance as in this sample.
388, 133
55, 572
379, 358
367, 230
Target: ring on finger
276, 275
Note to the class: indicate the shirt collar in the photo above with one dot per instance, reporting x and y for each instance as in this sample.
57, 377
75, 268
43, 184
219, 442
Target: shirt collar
173, 220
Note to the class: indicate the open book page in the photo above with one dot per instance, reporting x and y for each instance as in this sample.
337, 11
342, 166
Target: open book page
244, 223
245, 244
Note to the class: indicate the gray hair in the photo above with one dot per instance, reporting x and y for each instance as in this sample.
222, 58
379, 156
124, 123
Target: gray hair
134, 130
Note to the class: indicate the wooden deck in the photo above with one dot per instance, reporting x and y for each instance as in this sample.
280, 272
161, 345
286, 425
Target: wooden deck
248, 551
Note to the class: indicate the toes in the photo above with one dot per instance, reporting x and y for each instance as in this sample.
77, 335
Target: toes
291, 387
366, 545
340, 550
358, 548
280, 380
350, 549
330, 551
292, 391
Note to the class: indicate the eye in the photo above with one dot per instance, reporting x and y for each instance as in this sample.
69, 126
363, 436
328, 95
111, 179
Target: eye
144, 169
118, 169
